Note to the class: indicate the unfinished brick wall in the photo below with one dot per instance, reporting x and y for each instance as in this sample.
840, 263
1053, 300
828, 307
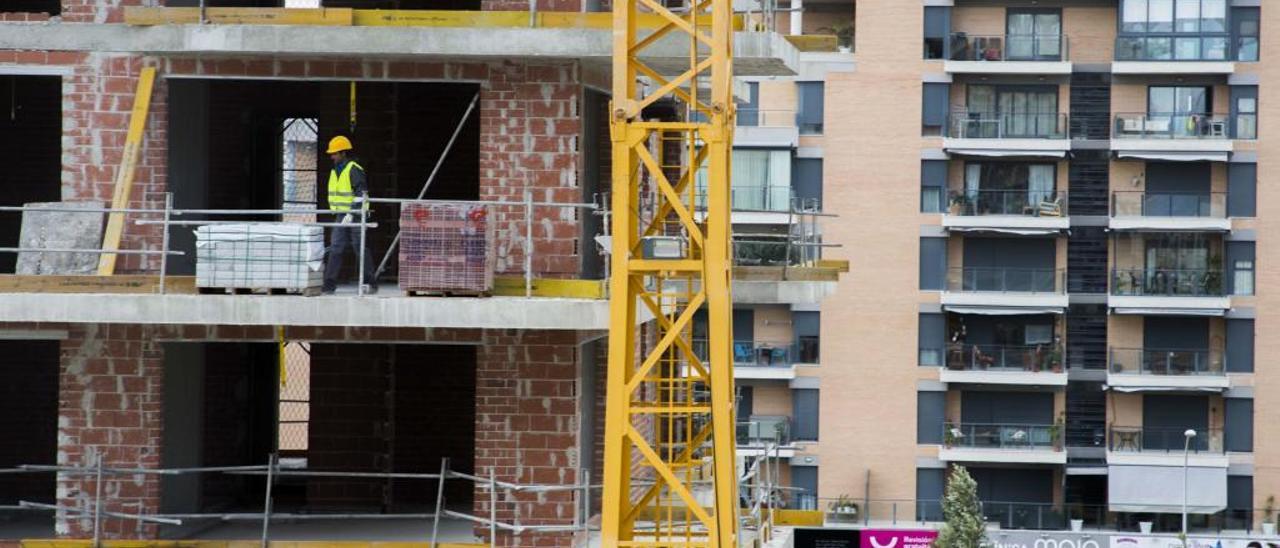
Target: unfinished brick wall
526, 428
109, 406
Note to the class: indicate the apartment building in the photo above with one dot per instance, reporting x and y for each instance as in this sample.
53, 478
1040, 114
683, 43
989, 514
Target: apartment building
111, 380
1055, 214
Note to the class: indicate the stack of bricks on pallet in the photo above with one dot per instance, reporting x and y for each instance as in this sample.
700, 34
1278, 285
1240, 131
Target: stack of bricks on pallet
259, 256
446, 248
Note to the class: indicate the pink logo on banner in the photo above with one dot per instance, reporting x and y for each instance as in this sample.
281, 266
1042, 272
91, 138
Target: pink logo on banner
897, 538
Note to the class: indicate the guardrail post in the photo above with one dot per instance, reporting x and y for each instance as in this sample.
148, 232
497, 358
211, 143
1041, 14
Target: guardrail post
493, 507
164, 239
97, 502
364, 212
266, 504
435, 520
528, 239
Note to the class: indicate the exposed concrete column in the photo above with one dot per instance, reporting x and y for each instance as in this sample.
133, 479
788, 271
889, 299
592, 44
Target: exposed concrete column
797, 17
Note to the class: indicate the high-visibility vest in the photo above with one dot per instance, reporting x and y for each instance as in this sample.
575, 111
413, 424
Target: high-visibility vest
340, 195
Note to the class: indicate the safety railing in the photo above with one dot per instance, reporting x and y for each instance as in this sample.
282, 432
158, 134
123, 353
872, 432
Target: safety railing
1133, 439
764, 429
1023, 203
1003, 357
1046, 516
154, 236
764, 199
1171, 47
1169, 204
1008, 125
1165, 361
1021, 437
1004, 280
799, 248
1166, 125
1167, 282
1008, 47
765, 117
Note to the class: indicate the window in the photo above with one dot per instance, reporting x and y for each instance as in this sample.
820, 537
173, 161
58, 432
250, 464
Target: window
1182, 111
1240, 264
1006, 188
51, 7
1034, 35
1246, 116
761, 180
933, 263
809, 114
1012, 112
1186, 30
749, 111
933, 182
937, 25
1246, 28
804, 406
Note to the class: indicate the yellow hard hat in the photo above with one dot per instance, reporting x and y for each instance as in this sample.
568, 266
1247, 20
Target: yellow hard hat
339, 144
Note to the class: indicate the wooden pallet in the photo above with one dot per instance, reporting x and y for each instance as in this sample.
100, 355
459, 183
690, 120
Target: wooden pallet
73, 283
308, 291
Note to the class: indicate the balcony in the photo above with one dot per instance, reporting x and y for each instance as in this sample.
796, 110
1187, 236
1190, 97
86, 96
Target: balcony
1198, 211
1007, 134
1006, 443
766, 128
1172, 54
1143, 369
759, 359
1198, 292
1008, 54
1010, 211
1172, 137
1146, 468
764, 205
1011, 290
1027, 365
765, 434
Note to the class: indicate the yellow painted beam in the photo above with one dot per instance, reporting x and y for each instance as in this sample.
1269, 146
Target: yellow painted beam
128, 165
513, 286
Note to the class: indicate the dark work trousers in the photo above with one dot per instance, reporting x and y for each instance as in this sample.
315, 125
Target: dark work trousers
342, 238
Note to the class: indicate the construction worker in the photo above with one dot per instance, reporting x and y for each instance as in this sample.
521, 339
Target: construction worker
348, 189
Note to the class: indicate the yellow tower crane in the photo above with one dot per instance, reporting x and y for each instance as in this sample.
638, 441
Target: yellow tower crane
670, 468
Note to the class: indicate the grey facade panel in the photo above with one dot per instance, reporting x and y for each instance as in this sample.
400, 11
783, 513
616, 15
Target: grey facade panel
932, 338
1238, 433
806, 179
804, 407
931, 409
933, 263
930, 485
937, 101
1242, 190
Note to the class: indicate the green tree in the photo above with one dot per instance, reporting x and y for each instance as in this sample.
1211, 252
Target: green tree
965, 527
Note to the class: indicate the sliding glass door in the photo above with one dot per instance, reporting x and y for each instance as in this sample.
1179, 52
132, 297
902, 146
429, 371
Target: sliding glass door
1034, 35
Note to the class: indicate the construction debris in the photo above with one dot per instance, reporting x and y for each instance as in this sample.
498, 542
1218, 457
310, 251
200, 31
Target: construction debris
60, 229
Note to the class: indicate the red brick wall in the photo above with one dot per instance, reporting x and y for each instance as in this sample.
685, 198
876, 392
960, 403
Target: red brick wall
526, 428
110, 405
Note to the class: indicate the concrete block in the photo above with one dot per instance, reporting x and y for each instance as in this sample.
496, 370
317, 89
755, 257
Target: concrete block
60, 230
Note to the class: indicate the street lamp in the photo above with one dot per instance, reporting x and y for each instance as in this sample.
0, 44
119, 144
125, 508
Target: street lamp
1186, 457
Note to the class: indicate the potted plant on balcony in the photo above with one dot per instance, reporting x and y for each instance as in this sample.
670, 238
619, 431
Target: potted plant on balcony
844, 508
844, 36
951, 435
1269, 517
1055, 431
959, 204
1055, 359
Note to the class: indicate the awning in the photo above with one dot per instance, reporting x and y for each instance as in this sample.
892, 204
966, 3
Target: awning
1003, 310
1138, 488
1214, 312
1008, 153
1175, 156
1015, 231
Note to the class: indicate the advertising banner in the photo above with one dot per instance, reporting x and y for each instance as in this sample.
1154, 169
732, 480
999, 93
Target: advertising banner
1193, 541
897, 538
1047, 539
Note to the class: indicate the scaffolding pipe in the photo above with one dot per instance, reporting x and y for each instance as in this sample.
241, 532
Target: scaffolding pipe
528, 234
435, 519
28, 505
164, 245
266, 504
95, 251
97, 504
493, 508
448, 146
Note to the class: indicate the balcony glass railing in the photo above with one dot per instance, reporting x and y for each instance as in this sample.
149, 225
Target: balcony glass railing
1005, 280
1162, 125
764, 430
1003, 357
1134, 439
754, 353
763, 198
1008, 125
765, 117
1011, 47
1162, 361
1169, 204
1024, 203
1172, 48
1001, 436
1166, 282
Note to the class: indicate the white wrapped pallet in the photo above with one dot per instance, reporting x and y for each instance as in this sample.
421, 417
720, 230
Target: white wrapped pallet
259, 256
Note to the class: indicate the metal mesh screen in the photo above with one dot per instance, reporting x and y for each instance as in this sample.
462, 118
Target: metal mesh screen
299, 141
295, 400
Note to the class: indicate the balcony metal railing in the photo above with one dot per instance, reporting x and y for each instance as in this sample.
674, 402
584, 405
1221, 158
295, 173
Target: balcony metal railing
1002, 357
1169, 204
1005, 280
1135, 439
1167, 282
1008, 125
777, 249
1002, 436
1164, 125
1025, 203
1010, 47
1170, 47
765, 117
1162, 361
764, 430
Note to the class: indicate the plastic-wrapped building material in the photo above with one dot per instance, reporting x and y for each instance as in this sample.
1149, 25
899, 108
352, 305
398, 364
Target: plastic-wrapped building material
260, 256
446, 248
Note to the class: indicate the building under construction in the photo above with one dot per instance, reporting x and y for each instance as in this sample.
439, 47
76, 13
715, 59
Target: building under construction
145, 398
